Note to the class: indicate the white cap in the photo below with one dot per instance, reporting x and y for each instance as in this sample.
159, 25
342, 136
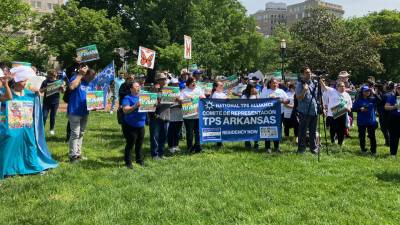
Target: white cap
22, 73
1, 73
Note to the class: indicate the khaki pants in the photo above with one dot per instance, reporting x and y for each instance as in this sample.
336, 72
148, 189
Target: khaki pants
78, 125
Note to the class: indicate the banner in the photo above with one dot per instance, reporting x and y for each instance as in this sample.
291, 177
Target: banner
103, 81
95, 100
88, 53
190, 107
20, 114
53, 88
169, 95
188, 47
148, 102
240, 120
207, 87
231, 82
146, 57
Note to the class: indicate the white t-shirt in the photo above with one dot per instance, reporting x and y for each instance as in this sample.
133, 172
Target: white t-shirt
277, 93
251, 97
287, 111
219, 95
191, 93
333, 98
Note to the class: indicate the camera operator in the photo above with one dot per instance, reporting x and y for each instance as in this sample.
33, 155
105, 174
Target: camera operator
306, 95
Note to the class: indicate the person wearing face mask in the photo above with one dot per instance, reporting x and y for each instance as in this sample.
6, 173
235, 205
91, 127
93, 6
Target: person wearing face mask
336, 98
23, 148
273, 91
77, 111
365, 106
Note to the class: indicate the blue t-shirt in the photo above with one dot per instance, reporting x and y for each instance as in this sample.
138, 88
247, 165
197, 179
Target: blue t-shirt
77, 100
392, 100
136, 118
367, 118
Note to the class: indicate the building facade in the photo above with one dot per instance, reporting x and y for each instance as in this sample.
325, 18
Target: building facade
276, 14
44, 6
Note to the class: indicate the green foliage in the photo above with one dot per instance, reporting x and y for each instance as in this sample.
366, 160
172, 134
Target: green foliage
171, 58
232, 185
70, 27
324, 41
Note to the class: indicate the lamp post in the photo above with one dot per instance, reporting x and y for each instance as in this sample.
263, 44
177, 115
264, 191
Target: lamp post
283, 54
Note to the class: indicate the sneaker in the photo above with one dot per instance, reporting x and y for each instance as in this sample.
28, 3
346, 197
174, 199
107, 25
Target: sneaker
111, 112
52, 133
177, 149
172, 150
73, 160
268, 150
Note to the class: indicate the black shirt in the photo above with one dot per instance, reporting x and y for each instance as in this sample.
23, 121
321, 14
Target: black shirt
52, 99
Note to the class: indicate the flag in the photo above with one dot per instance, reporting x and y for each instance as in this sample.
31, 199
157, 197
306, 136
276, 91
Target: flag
103, 80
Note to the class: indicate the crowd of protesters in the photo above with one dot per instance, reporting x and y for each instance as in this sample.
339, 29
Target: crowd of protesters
302, 102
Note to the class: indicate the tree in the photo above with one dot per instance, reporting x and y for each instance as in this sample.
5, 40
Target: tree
323, 41
70, 27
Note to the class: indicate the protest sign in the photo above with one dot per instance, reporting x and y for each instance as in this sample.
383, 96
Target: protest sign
339, 110
231, 82
88, 53
188, 47
148, 102
146, 57
207, 87
239, 120
19, 114
95, 100
53, 88
169, 95
190, 107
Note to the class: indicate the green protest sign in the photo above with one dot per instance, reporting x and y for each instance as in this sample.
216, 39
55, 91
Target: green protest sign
148, 102
190, 107
53, 88
95, 100
231, 82
169, 95
88, 53
207, 87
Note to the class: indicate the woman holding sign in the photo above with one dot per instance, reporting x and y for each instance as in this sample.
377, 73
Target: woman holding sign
133, 126
338, 103
218, 93
189, 96
51, 88
275, 92
23, 148
393, 106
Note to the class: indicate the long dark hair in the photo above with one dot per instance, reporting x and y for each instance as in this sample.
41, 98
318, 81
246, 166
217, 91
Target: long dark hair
247, 91
214, 88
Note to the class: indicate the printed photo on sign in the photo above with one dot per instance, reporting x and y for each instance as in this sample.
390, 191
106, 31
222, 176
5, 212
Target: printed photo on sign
20, 114
88, 53
211, 134
269, 132
148, 102
188, 47
95, 100
146, 57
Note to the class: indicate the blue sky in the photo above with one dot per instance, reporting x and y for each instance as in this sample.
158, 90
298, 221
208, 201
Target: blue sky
351, 7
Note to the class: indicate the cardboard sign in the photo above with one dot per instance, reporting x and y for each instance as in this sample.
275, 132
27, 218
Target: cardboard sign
88, 53
148, 102
20, 114
95, 100
188, 47
190, 107
146, 57
53, 88
169, 95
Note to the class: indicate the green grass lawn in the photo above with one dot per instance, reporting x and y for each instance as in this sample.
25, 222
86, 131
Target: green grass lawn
233, 185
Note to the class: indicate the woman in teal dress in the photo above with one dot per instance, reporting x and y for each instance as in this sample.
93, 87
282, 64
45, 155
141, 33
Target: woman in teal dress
23, 148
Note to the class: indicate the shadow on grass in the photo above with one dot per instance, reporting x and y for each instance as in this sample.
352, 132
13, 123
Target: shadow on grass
56, 139
386, 176
96, 164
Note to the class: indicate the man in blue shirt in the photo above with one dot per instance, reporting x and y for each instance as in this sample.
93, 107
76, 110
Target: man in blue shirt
306, 94
77, 110
133, 126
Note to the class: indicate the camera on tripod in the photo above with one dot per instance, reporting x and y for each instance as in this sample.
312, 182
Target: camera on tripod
319, 74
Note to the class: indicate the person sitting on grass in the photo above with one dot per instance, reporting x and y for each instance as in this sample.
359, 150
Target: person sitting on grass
365, 106
23, 148
133, 126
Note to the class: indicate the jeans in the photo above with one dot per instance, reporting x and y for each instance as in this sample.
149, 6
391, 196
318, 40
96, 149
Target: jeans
192, 128
134, 136
307, 123
291, 123
383, 121
52, 108
78, 125
339, 125
394, 134
174, 130
371, 136
329, 123
158, 136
